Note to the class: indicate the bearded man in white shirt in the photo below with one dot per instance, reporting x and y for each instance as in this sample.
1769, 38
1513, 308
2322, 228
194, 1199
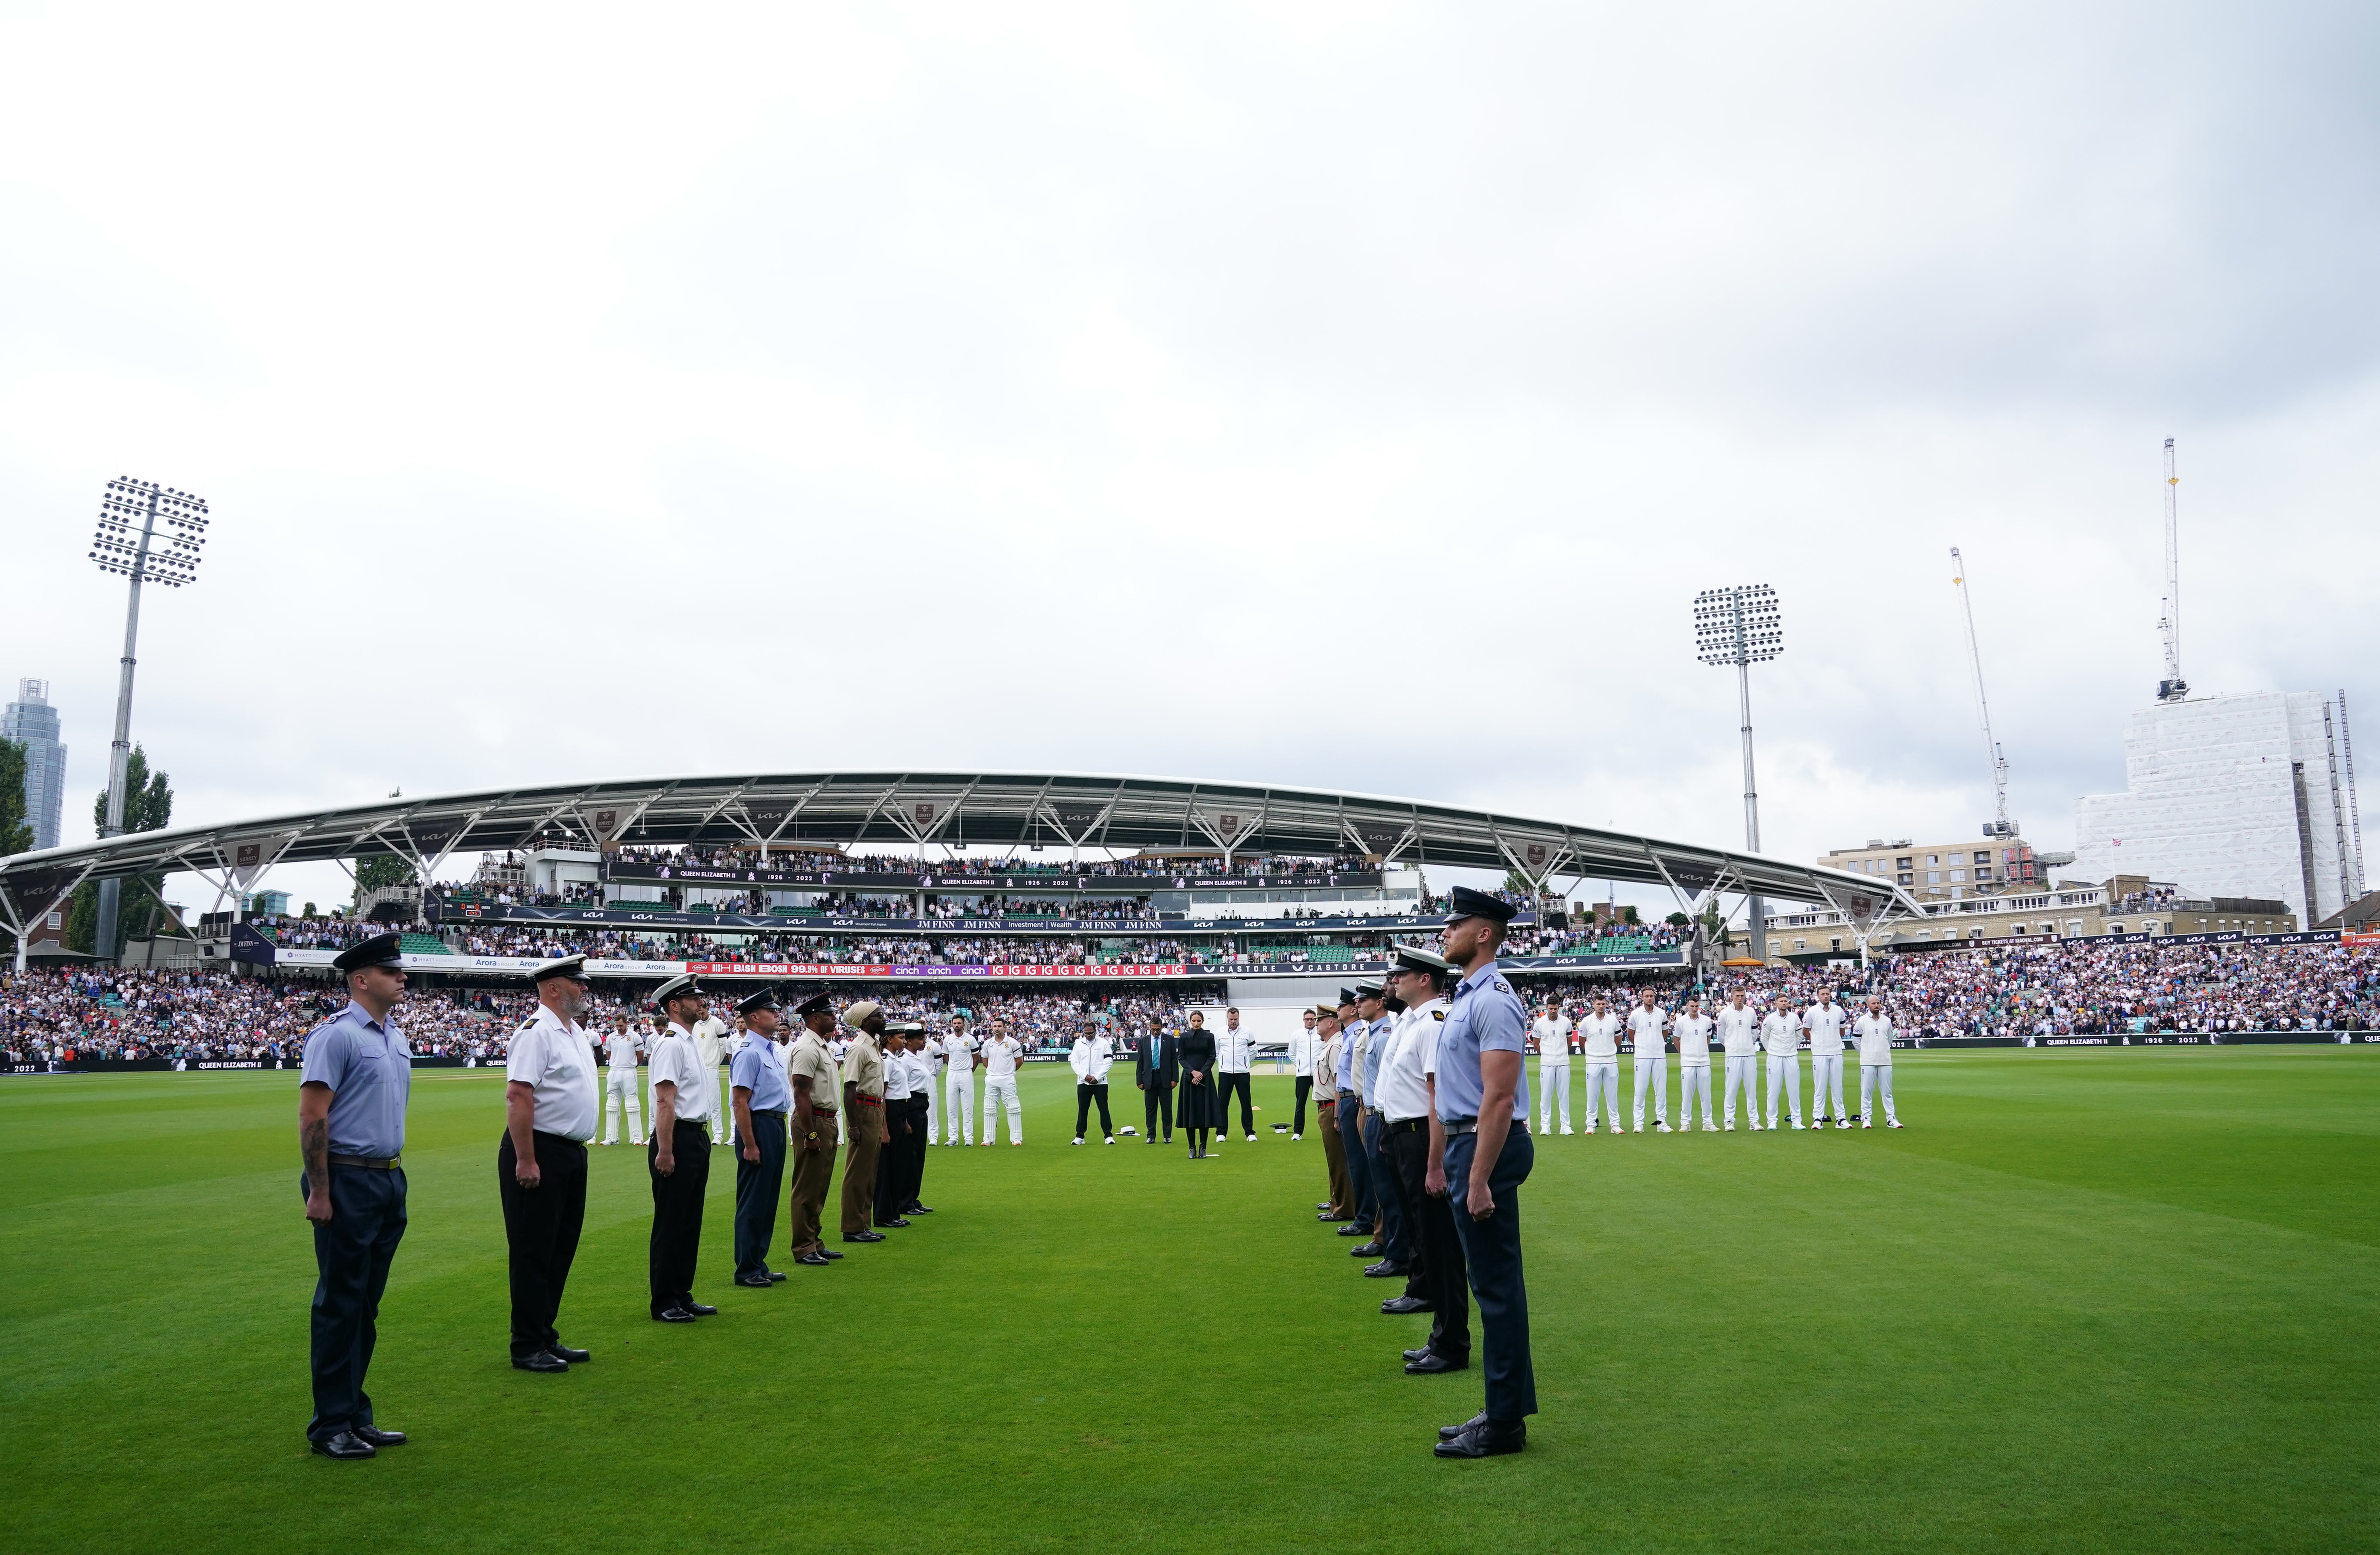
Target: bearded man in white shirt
1649, 1068
1551, 1029
1739, 1032
1874, 1029
1824, 1021
958, 1083
1001, 1052
1780, 1039
1598, 1036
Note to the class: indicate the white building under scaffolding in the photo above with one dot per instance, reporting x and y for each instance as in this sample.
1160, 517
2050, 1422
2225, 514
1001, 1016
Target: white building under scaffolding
2235, 796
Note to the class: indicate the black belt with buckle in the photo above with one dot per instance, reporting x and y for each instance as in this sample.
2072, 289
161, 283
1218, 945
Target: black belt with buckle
369, 1163
1471, 1125
1409, 1126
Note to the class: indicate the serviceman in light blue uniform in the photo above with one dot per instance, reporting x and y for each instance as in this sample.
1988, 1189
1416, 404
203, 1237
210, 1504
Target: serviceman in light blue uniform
1395, 1237
1483, 1105
1350, 1131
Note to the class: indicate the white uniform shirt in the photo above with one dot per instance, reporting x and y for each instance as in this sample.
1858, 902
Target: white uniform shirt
707, 1045
1645, 1027
959, 1050
1825, 1025
999, 1058
1875, 1034
935, 1055
1398, 1091
1232, 1049
1301, 1053
898, 1073
1092, 1057
620, 1048
676, 1062
1693, 1034
554, 1060
1553, 1040
1739, 1030
1431, 1024
1781, 1034
1599, 1037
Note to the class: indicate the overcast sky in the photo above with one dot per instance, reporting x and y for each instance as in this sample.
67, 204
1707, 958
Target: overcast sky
1343, 396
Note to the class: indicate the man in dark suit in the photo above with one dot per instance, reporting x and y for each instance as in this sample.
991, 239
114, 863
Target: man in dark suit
1157, 1071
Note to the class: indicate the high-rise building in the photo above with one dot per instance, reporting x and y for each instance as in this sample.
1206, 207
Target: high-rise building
2231, 796
32, 722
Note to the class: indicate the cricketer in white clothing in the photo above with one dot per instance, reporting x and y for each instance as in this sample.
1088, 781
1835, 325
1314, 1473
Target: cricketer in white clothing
1692, 1032
710, 1036
619, 1085
1875, 1032
958, 1085
1825, 1025
1780, 1036
1000, 1055
1739, 1033
1650, 1068
1552, 1032
1598, 1037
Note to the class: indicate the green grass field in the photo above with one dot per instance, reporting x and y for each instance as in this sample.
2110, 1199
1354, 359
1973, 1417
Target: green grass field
2121, 1301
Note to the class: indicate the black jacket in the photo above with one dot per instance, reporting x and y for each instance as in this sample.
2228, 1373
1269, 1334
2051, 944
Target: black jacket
1157, 1058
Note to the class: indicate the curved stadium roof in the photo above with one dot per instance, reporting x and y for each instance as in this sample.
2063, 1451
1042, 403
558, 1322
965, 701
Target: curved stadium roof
978, 810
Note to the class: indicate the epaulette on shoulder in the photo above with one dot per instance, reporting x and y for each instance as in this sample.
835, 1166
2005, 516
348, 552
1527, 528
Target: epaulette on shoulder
1503, 987
1438, 1014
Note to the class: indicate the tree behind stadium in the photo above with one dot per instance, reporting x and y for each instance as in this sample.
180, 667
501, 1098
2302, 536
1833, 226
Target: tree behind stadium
148, 806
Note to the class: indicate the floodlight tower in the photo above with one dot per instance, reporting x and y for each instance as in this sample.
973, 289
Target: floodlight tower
2172, 688
128, 544
1740, 627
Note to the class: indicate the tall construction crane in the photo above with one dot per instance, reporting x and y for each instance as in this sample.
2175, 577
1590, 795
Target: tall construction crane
2172, 688
1999, 825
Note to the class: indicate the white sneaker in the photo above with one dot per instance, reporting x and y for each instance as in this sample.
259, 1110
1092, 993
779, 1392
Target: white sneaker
1730, 1125
1864, 1123
1590, 1128
1842, 1123
1296, 1137
1079, 1138
1570, 1131
1797, 1125
1252, 1138
1110, 1138
1709, 1127
1660, 1129
1892, 1123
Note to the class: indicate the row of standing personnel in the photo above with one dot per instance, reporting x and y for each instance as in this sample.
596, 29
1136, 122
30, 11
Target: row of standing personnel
356, 1081
1424, 1106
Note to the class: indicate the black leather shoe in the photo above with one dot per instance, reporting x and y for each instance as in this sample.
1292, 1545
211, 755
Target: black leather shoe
828, 1254
816, 1260
1432, 1363
1368, 1250
1398, 1307
1324, 1205
775, 1275
699, 1310
918, 1210
1448, 1433
1329, 1220
1416, 1354
1354, 1231
372, 1437
673, 1314
895, 1223
576, 1358
755, 1282
544, 1360
1384, 1269
863, 1236
345, 1444
1485, 1440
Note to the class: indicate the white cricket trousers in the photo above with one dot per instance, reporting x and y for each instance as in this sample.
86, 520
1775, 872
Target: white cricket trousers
620, 1095
930, 1088
1785, 1079
1871, 1076
1651, 1073
1003, 1093
1553, 1083
723, 1126
1603, 1080
1743, 1075
1694, 1079
1827, 1080
958, 1105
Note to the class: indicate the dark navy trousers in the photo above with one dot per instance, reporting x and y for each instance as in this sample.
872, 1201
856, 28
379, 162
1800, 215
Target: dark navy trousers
758, 1186
352, 1252
1359, 1166
1395, 1234
1491, 1254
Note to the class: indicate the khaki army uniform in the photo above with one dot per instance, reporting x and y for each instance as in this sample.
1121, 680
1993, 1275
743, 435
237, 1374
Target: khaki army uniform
813, 1154
863, 1071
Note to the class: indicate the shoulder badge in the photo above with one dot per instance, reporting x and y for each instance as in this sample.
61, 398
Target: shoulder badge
1502, 986
1438, 1014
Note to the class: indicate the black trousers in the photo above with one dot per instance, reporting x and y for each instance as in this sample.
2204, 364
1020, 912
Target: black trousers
1359, 1165
1395, 1234
913, 1184
892, 1162
352, 1252
759, 1185
1159, 1101
1085, 1094
1437, 1275
1491, 1253
542, 1226
677, 1215
1231, 1082
1305, 1089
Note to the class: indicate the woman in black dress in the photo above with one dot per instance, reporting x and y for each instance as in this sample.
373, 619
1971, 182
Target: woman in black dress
1198, 1105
